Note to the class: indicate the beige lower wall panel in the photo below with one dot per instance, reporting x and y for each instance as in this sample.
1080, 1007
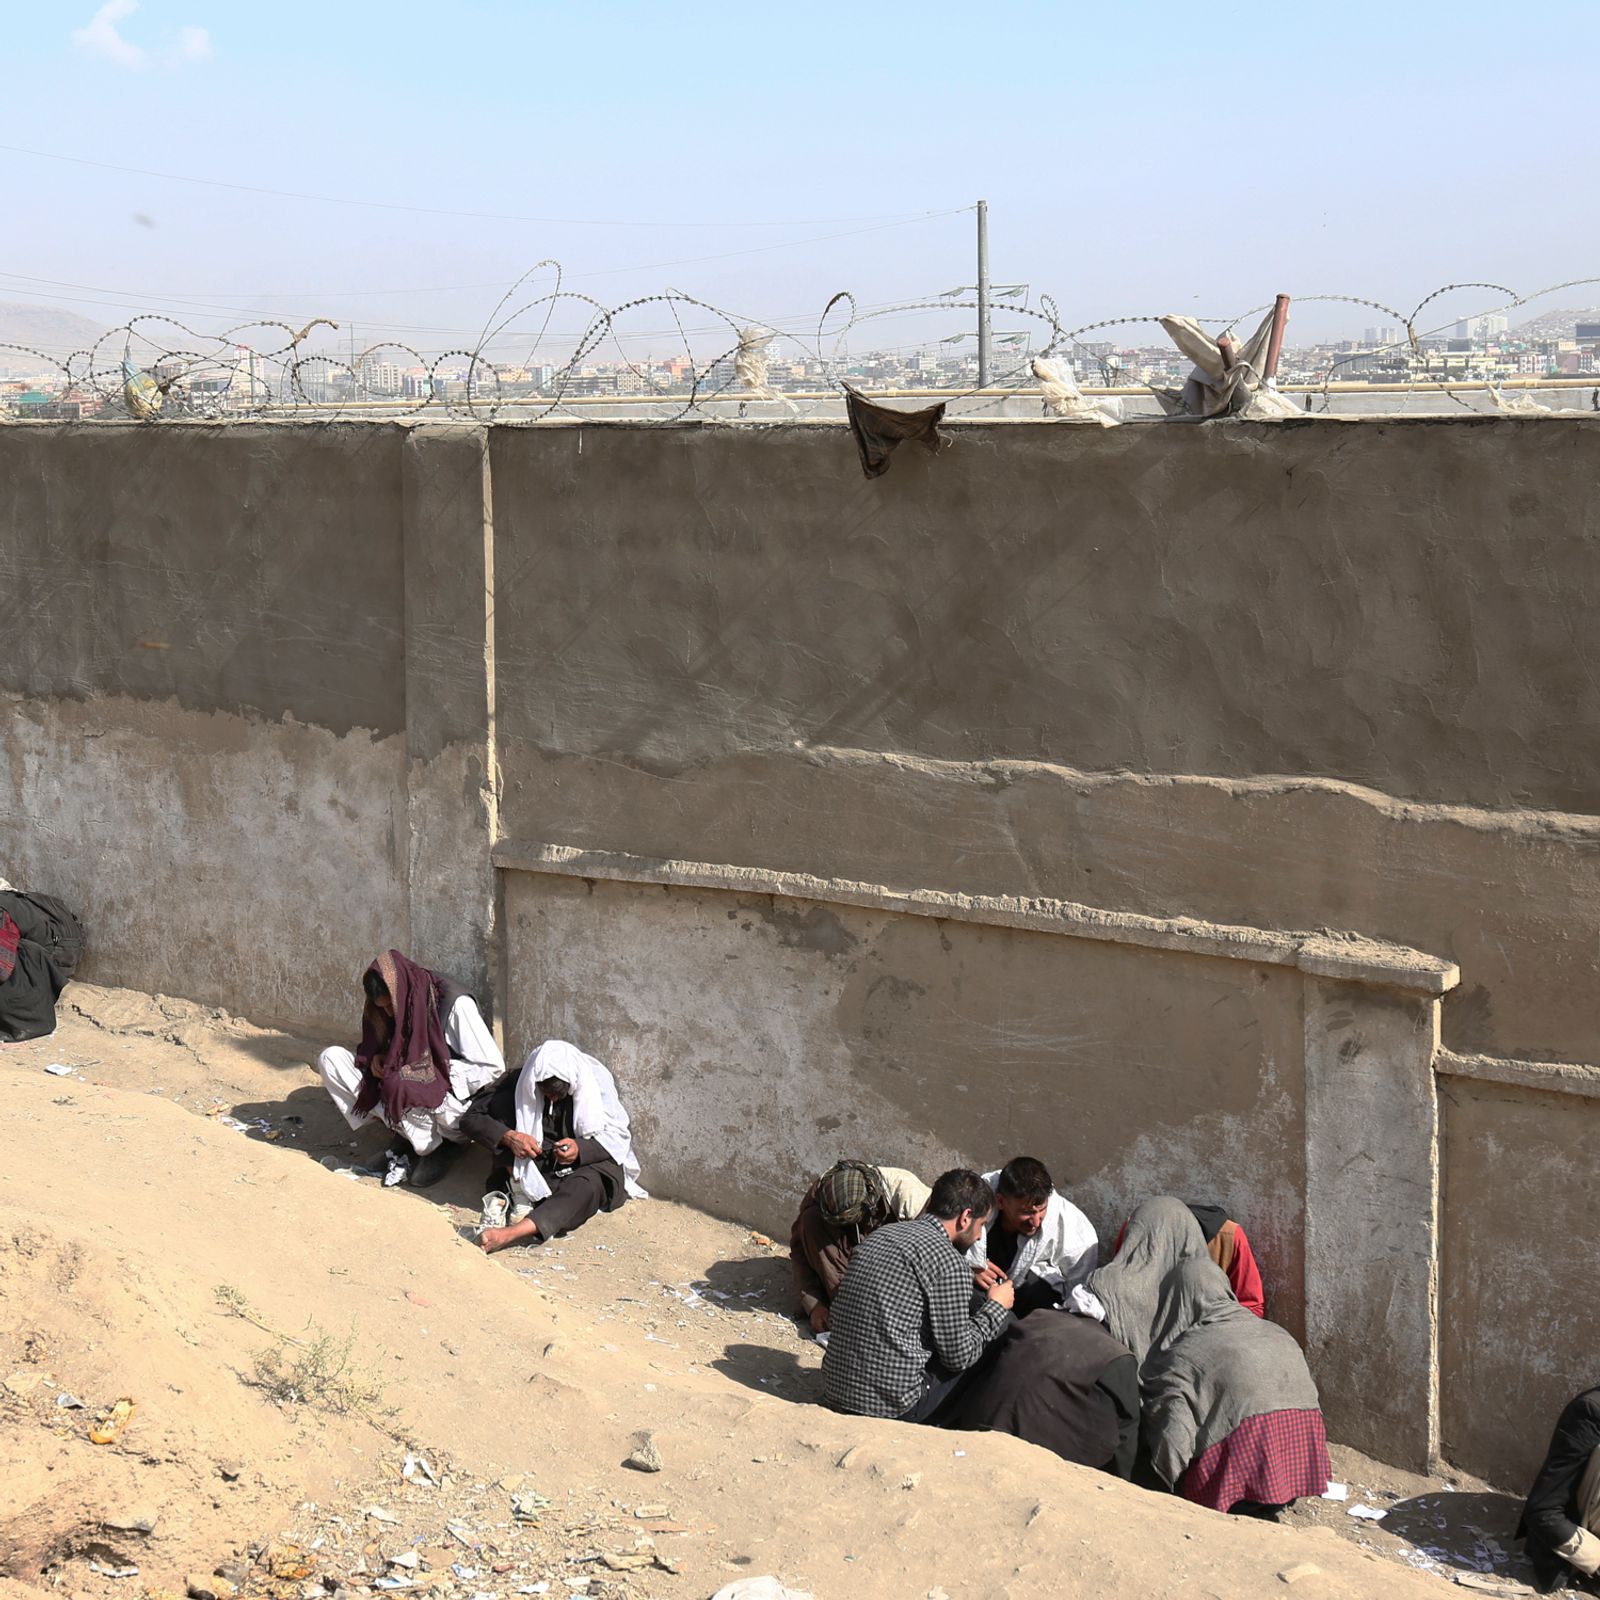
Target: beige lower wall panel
1521, 1264
756, 1040
246, 863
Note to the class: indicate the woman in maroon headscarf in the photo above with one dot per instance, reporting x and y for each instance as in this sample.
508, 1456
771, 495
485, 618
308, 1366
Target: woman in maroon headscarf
425, 1051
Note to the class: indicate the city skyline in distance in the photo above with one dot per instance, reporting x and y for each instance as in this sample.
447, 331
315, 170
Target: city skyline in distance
1149, 162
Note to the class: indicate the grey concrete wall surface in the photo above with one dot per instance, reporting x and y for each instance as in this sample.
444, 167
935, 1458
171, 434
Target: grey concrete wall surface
246, 703
759, 1039
272, 693
1280, 675
1521, 1256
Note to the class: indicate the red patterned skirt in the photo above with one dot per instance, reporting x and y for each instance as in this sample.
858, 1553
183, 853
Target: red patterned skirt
1271, 1459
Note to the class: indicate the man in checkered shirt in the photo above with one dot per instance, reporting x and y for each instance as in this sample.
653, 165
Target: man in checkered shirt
903, 1329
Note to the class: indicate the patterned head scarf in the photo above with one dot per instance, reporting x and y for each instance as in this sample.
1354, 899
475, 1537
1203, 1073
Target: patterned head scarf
404, 1059
851, 1194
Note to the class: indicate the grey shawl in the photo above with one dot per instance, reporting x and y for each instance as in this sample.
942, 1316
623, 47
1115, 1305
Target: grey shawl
1161, 1235
1215, 1365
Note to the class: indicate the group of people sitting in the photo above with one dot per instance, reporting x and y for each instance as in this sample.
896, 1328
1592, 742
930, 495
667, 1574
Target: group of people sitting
980, 1303
429, 1070
977, 1304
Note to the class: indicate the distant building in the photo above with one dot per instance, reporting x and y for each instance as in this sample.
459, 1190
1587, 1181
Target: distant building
1587, 333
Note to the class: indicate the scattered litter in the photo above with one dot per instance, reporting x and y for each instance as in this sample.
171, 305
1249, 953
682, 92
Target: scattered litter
527, 1506
650, 1513
821, 1338
1367, 1513
460, 1532
69, 1402
416, 1470
113, 1422
465, 1574
1336, 1491
56, 1069
113, 1572
394, 1583
406, 1559
378, 1514
542, 1587
959, 1452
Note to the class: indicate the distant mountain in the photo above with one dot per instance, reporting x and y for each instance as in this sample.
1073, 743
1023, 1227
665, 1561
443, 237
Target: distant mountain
56, 333
1556, 324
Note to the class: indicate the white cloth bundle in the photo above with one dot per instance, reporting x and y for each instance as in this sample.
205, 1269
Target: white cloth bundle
597, 1114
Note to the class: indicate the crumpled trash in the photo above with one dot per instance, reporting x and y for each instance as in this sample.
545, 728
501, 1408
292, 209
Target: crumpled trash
113, 1572
763, 1588
69, 1402
113, 1422
528, 1505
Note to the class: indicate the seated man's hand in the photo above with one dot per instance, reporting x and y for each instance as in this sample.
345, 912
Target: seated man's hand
820, 1320
566, 1152
987, 1276
1003, 1293
521, 1144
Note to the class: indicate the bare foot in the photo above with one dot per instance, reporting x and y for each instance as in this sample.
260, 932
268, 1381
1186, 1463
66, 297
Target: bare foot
493, 1239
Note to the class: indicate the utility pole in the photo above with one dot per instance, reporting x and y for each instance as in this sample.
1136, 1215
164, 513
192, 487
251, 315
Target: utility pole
983, 294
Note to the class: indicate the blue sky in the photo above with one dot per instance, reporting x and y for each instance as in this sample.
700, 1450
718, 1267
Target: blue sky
1137, 158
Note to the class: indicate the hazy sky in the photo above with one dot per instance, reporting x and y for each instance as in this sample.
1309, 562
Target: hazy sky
1137, 158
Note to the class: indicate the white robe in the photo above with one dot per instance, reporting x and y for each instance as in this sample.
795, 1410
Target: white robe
597, 1114
475, 1061
1063, 1252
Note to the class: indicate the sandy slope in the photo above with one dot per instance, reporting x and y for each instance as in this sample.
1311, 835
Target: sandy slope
122, 1214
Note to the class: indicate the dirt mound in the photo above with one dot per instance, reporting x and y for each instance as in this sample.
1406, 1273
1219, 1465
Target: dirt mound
241, 1294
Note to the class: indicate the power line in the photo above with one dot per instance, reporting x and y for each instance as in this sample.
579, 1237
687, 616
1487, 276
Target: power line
437, 211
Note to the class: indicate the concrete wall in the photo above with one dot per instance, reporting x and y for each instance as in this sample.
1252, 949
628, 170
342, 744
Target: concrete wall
273, 693
244, 701
1323, 674
1521, 1256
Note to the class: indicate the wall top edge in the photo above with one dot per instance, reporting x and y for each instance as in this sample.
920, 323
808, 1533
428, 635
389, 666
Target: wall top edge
1554, 1077
1345, 958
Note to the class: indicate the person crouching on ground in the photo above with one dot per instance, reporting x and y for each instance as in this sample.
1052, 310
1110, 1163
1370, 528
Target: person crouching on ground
850, 1201
1038, 1238
570, 1154
425, 1051
1561, 1521
904, 1333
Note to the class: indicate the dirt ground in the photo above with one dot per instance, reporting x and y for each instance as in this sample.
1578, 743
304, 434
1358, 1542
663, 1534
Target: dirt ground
335, 1392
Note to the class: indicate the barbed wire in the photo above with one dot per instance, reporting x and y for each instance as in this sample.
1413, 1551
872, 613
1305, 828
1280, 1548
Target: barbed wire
158, 367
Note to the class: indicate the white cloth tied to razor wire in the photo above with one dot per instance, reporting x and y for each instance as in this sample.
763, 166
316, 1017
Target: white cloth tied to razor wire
597, 1114
750, 365
1215, 388
1063, 396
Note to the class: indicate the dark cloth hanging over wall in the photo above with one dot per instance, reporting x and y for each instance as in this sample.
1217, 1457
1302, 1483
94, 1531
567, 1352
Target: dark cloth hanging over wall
1059, 1381
878, 429
41, 944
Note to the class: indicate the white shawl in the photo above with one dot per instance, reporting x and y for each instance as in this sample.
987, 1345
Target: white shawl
596, 1114
1063, 1252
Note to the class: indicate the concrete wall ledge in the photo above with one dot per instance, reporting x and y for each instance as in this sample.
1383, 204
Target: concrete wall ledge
1554, 1077
1344, 957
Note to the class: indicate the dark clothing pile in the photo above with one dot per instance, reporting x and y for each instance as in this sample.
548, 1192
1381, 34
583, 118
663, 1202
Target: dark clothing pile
1059, 1381
41, 944
1552, 1517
